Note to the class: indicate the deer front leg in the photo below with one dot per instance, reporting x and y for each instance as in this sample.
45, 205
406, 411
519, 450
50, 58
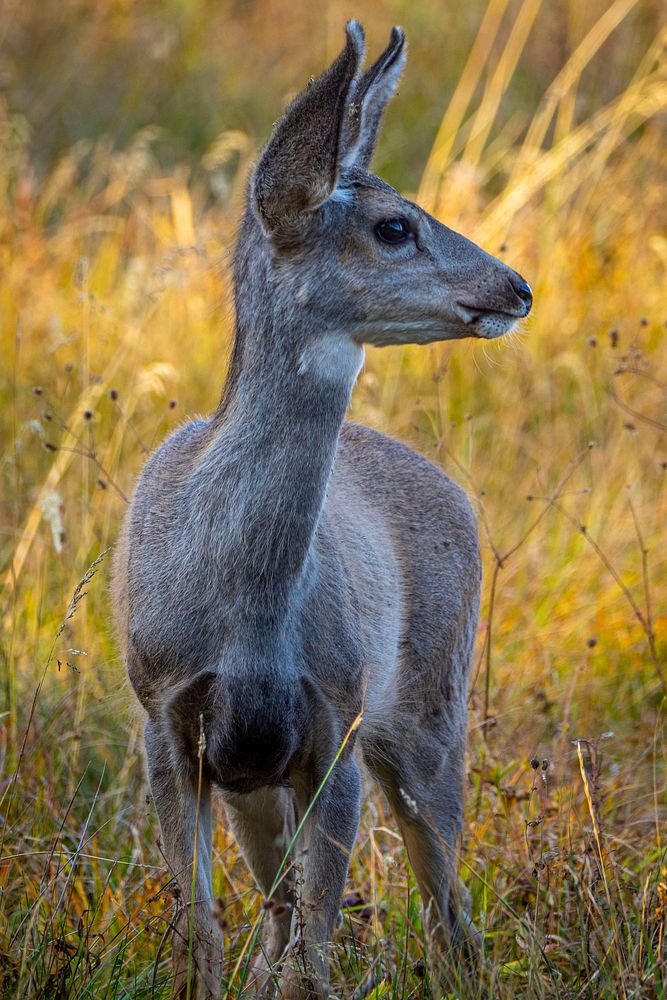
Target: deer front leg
184, 811
328, 839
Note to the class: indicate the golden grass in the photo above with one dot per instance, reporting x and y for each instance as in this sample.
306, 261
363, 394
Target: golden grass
114, 293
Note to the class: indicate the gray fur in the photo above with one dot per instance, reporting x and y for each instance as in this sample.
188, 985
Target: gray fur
281, 571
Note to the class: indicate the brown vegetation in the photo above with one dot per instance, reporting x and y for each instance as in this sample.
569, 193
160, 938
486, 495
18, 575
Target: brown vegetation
121, 184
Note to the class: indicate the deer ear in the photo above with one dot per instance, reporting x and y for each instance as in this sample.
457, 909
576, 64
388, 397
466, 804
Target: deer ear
299, 167
370, 96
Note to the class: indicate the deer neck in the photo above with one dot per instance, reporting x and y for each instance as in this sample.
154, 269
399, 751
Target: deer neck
275, 440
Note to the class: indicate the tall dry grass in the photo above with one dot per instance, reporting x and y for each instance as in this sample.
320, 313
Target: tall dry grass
114, 292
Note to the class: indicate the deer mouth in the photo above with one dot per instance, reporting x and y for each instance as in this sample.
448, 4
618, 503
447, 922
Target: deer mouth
473, 314
487, 324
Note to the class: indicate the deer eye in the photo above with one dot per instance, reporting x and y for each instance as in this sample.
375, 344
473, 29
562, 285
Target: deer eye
393, 231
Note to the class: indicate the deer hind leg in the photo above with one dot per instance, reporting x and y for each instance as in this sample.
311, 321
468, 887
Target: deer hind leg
263, 823
324, 854
421, 770
184, 811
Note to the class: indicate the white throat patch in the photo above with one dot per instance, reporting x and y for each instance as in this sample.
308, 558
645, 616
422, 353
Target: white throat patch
333, 358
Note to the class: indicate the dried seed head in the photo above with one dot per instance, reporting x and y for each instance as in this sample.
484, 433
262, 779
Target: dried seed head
113, 395
613, 337
534, 763
592, 342
272, 906
643, 321
172, 404
50, 447
591, 642
37, 390
87, 414
419, 968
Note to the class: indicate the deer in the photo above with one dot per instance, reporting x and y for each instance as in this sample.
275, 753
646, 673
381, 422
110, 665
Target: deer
297, 597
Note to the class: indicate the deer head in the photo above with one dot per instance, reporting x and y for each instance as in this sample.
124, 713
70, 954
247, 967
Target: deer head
347, 252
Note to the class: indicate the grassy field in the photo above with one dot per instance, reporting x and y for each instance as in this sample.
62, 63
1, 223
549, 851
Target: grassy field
539, 132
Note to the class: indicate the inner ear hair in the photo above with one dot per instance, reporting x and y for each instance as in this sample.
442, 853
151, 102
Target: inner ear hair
370, 96
300, 165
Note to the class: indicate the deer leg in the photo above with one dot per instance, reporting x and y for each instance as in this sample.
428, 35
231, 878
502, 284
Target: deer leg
263, 823
184, 811
324, 853
423, 780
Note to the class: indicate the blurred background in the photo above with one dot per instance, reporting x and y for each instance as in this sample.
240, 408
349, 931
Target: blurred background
80, 71
537, 129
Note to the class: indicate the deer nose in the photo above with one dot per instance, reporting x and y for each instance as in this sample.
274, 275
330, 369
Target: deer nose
524, 291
